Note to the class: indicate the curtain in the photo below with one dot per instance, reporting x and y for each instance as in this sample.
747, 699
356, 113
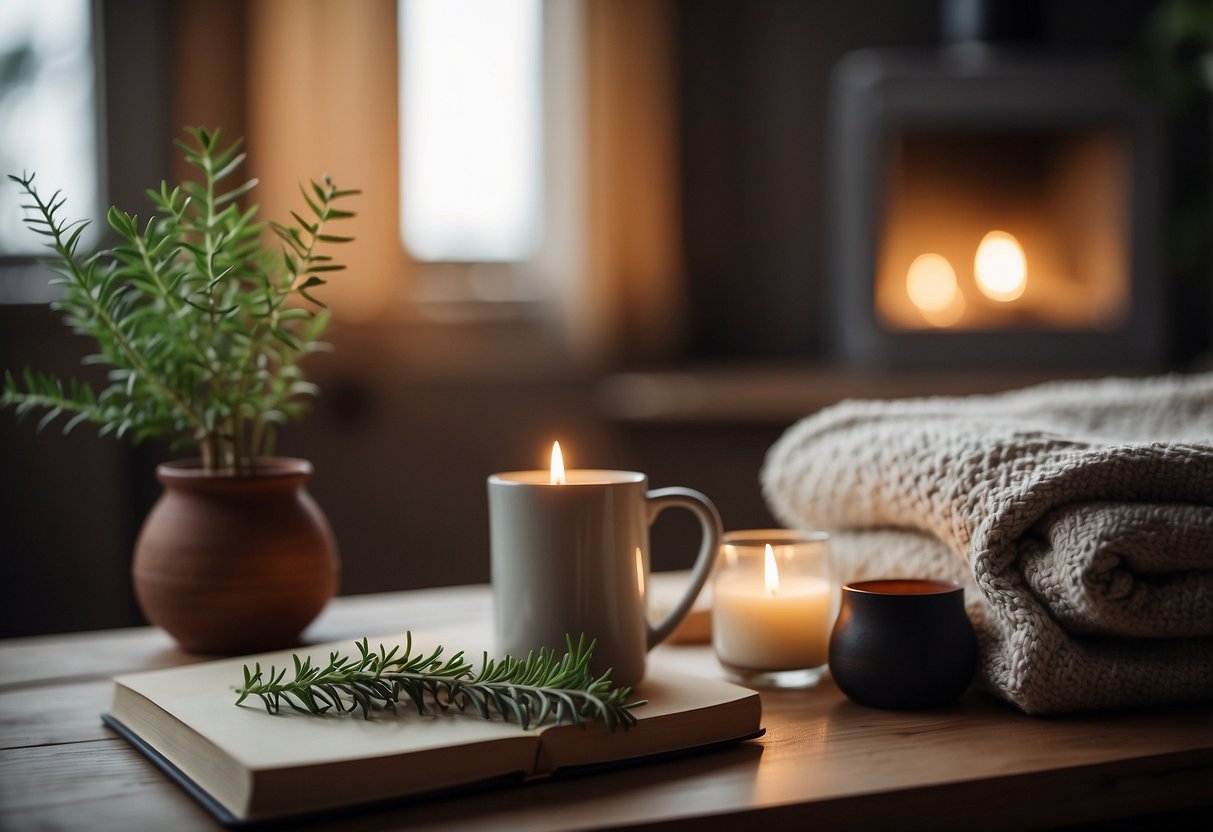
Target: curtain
313, 86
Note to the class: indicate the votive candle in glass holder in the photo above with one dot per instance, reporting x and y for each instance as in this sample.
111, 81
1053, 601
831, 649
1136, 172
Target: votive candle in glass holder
773, 607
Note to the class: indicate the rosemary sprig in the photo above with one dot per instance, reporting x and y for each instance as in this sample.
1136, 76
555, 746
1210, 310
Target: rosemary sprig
528, 691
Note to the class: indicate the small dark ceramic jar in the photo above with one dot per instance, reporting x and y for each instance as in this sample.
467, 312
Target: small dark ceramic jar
903, 644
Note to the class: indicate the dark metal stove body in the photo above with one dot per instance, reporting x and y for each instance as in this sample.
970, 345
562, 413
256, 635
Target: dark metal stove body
934, 151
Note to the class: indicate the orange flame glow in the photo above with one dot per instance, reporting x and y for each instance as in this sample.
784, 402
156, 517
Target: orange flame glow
772, 572
557, 477
1000, 267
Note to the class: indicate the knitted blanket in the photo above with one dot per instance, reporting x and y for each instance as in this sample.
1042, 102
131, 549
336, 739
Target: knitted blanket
1079, 515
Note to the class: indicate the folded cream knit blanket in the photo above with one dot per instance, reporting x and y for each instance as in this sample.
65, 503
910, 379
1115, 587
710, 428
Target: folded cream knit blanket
1079, 515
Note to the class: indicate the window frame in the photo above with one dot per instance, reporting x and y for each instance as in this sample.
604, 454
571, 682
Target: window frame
132, 59
468, 290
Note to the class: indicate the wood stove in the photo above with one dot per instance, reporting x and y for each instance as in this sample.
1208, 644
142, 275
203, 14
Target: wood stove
995, 206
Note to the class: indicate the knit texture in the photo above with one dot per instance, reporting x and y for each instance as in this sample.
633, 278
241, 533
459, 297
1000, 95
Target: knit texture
1079, 515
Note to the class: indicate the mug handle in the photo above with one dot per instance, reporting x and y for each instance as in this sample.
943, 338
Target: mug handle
709, 520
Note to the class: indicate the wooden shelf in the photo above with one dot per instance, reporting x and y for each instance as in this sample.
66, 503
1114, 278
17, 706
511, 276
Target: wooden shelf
762, 394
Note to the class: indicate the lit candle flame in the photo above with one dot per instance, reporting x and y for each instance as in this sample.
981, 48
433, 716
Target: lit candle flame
557, 465
772, 572
1000, 267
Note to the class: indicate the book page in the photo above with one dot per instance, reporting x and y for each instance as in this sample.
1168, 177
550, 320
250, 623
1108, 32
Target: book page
258, 764
201, 696
682, 712
263, 765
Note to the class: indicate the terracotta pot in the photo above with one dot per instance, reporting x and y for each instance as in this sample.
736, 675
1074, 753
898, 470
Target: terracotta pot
235, 563
903, 644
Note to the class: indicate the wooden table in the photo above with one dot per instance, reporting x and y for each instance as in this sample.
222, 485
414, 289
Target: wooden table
824, 763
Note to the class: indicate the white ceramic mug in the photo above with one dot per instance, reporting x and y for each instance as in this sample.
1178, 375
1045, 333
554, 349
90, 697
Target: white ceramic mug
573, 558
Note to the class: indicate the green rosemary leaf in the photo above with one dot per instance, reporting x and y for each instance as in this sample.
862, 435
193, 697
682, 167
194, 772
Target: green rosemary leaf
229, 166
310, 227
315, 209
545, 708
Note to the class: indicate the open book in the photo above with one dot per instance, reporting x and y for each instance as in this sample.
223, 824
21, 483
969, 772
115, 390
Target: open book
246, 765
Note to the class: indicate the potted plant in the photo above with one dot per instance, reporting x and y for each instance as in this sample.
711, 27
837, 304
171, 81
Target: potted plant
203, 328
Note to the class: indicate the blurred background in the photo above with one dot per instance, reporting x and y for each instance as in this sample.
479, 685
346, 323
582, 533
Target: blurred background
660, 231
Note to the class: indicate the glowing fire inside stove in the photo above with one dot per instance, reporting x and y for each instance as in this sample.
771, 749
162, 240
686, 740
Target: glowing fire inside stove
1000, 273
982, 233
931, 285
1000, 267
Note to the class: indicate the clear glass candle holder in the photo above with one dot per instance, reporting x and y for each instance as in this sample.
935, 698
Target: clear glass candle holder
773, 607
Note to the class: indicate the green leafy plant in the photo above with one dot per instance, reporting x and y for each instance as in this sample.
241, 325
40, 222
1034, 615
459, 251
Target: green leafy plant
1176, 53
202, 327
527, 691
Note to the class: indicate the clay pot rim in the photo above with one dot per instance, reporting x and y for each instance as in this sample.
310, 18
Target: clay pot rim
911, 587
267, 467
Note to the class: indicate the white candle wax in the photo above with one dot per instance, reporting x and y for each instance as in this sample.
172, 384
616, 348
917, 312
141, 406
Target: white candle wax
787, 629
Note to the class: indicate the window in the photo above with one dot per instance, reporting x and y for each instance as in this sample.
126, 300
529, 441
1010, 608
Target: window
48, 113
471, 127
49, 127
488, 179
